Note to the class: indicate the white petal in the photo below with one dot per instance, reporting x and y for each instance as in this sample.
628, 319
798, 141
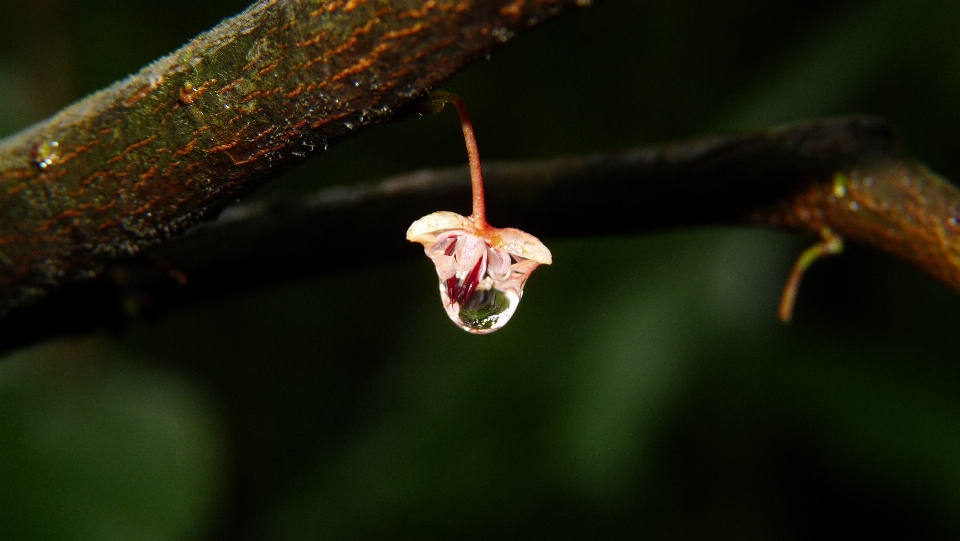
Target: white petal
446, 266
498, 264
521, 244
425, 228
470, 249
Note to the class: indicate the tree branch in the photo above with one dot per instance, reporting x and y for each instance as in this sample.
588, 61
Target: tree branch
851, 175
151, 155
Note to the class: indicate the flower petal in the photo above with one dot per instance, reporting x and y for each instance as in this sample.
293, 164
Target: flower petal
520, 244
498, 264
425, 229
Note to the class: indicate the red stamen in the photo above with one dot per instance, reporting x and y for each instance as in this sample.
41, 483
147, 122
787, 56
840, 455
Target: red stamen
452, 281
470, 283
453, 246
452, 288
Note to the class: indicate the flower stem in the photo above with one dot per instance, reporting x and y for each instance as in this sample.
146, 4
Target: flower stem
479, 215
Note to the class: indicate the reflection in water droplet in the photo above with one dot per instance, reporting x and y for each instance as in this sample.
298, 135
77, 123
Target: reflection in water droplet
487, 310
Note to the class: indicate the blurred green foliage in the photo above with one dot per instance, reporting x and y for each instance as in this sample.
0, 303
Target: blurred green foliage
644, 387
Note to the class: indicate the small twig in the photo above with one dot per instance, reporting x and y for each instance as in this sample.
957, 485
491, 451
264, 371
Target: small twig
829, 244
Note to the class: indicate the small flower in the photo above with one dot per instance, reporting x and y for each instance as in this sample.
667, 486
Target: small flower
482, 268
481, 271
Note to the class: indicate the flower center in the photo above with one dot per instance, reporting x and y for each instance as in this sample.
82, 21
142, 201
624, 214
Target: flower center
470, 265
460, 290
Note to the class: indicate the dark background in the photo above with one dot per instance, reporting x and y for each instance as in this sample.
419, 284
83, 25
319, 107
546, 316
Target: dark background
644, 388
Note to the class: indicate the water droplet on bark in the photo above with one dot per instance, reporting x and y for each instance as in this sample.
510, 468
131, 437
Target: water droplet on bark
46, 154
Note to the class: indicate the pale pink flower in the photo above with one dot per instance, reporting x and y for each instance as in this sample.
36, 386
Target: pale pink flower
482, 271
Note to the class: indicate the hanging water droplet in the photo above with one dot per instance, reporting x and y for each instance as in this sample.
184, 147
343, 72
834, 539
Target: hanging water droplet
481, 278
485, 299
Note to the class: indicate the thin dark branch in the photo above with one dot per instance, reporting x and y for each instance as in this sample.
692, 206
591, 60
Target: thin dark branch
850, 175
